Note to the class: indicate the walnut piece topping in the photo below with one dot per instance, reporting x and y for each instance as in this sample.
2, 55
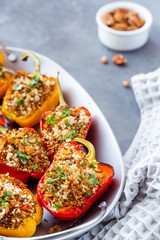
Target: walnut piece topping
119, 59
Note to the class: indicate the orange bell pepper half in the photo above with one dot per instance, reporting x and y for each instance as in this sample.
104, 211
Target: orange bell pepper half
18, 218
74, 181
29, 95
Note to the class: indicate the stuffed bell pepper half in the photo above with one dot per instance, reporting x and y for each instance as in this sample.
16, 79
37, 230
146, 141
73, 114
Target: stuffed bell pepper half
20, 211
22, 153
63, 124
74, 181
29, 95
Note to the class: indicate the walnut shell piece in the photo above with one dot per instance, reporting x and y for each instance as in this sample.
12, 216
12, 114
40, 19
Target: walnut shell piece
119, 59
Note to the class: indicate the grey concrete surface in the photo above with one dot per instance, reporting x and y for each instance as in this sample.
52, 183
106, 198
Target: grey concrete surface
66, 31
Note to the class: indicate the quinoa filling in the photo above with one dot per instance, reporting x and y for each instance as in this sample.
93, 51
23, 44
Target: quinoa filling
64, 124
28, 93
16, 204
24, 150
71, 179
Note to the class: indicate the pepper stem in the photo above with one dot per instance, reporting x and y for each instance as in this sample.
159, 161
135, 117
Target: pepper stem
2, 129
29, 54
91, 150
3, 70
61, 98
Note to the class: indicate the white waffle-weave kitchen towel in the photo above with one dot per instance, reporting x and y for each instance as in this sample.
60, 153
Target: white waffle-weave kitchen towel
137, 216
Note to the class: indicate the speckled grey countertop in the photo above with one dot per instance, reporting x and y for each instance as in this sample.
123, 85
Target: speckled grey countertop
66, 31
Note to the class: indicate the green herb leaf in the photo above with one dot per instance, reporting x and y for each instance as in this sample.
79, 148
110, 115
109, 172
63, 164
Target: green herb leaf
70, 136
51, 120
67, 123
7, 194
82, 176
57, 206
17, 86
92, 165
50, 180
34, 81
19, 101
49, 174
66, 112
83, 163
89, 194
51, 189
93, 179
1, 107
34, 167
14, 138
23, 157
3, 202
80, 125
28, 90
9, 117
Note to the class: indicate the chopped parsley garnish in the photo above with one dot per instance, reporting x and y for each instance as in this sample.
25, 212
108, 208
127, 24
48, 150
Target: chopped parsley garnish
92, 165
26, 141
49, 174
51, 120
5, 196
67, 123
73, 127
93, 179
57, 206
89, 194
23, 157
34, 167
1, 107
28, 90
14, 138
66, 112
19, 101
80, 125
83, 163
51, 189
34, 81
50, 180
70, 136
82, 176
17, 86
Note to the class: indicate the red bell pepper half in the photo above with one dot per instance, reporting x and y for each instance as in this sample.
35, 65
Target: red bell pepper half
63, 124
22, 154
74, 181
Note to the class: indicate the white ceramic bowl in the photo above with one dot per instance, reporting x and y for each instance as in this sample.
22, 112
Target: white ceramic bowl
124, 40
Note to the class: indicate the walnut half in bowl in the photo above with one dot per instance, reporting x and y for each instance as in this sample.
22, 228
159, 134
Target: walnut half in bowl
123, 26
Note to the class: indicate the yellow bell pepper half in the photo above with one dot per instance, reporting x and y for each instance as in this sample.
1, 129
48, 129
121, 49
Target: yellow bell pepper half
28, 227
30, 120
